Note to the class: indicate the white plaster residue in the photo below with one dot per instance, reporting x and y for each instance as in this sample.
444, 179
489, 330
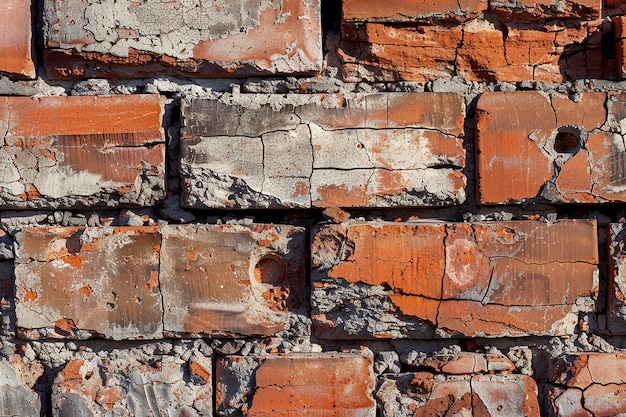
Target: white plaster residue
62, 181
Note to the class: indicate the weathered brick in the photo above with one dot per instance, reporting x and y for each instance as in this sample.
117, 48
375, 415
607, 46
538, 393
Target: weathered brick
17, 397
337, 384
139, 39
416, 280
533, 10
130, 387
619, 27
616, 320
461, 363
80, 282
228, 279
571, 154
403, 11
424, 394
15, 39
352, 153
64, 152
589, 384
423, 51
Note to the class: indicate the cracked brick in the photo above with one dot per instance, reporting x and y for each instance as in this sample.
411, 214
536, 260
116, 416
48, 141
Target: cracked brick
424, 394
70, 152
374, 51
588, 384
86, 38
273, 155
231, 280
127, 386
18, 378
338, 384
573, 153
412, 280
15, 39
75, 282
616, 308
407, 11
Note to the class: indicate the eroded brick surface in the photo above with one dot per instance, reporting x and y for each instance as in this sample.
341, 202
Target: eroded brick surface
424, 280
334, 384
424, 394
381, 150
17, 397
572, 154
230, 279
79, 282
402, 11
423, 49
616, 320
166, 386
589, 384
15, 39
63, 152
138, 39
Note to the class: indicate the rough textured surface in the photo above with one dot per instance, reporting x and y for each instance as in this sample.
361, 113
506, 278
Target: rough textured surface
616, 321
79, 282
15, 39
231, 279
88, 38
589, 385
407, 11
420, 280
110, 386
333, 384
572, 154
424, 394
427, 49
238, 155
17, 398
65, 152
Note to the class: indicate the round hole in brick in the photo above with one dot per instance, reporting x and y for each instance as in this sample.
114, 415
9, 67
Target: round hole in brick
567, 141
270, 269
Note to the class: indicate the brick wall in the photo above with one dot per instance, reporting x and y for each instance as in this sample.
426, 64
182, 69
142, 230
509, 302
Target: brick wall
313, 207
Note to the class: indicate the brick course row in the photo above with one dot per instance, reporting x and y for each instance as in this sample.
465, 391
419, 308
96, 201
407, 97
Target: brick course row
115, 40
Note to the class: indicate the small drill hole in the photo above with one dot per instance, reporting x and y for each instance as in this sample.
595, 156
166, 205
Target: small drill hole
566, 142
270, 269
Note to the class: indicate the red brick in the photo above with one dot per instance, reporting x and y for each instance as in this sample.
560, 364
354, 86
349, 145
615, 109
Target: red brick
424, 394
517, 154
619, 27
296, 156
181, 37
128, 386
337, 384
423, 51
63, 152
488, 279
403, 11
589, 384
218, 280
15, 39
78, 282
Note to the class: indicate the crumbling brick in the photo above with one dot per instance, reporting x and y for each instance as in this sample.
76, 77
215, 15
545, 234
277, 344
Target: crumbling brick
427, 49
588, 384
129, 387
407, 11
67, 152
139, 39
15, 39
76, 282
338, 384
380, 280
351, 153
17, 397
231, 280
425, 394
573, 153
